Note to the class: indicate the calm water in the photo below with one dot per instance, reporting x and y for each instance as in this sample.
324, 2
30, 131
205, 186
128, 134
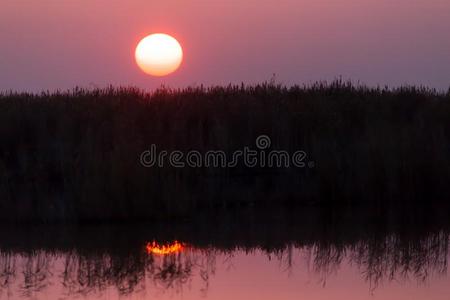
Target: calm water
223, 262
213, 274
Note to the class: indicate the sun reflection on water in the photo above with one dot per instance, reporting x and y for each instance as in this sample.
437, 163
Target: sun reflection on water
165, 249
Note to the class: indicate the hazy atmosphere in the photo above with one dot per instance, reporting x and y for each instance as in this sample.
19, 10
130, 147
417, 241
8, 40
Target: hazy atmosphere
225, 149
61, 44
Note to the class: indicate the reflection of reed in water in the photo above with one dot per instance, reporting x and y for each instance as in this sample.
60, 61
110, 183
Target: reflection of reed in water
173, 271
35, 270
78, 272
131, 273
83, 274
390, 258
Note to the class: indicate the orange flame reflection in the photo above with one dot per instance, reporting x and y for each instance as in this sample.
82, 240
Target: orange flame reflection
166, 249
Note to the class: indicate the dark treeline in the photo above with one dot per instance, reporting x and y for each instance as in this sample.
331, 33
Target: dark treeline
75, 156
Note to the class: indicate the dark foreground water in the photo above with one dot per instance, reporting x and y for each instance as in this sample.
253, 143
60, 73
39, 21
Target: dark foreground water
228, 258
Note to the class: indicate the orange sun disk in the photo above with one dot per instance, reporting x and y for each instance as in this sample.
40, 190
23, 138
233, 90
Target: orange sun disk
159, 54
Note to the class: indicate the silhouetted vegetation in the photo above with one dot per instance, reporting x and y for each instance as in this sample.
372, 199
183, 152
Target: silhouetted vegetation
75, 156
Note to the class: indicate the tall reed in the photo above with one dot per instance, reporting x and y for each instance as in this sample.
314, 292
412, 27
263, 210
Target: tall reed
73, 156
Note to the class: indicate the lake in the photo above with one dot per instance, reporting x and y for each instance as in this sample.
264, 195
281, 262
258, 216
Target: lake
227, 258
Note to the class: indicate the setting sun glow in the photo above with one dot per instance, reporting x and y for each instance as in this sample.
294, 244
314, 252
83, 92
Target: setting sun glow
155, 248
159, 54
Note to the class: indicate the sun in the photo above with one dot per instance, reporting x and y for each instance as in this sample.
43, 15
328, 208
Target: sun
159, 54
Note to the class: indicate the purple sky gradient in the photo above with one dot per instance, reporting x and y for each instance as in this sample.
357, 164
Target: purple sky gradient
61, 44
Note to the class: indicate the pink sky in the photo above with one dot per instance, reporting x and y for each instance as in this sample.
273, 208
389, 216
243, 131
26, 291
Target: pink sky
60, 44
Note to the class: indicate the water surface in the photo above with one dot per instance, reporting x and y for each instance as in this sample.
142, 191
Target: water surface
224, 261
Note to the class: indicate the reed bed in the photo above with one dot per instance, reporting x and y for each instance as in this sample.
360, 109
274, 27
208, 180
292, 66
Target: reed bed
75, 156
